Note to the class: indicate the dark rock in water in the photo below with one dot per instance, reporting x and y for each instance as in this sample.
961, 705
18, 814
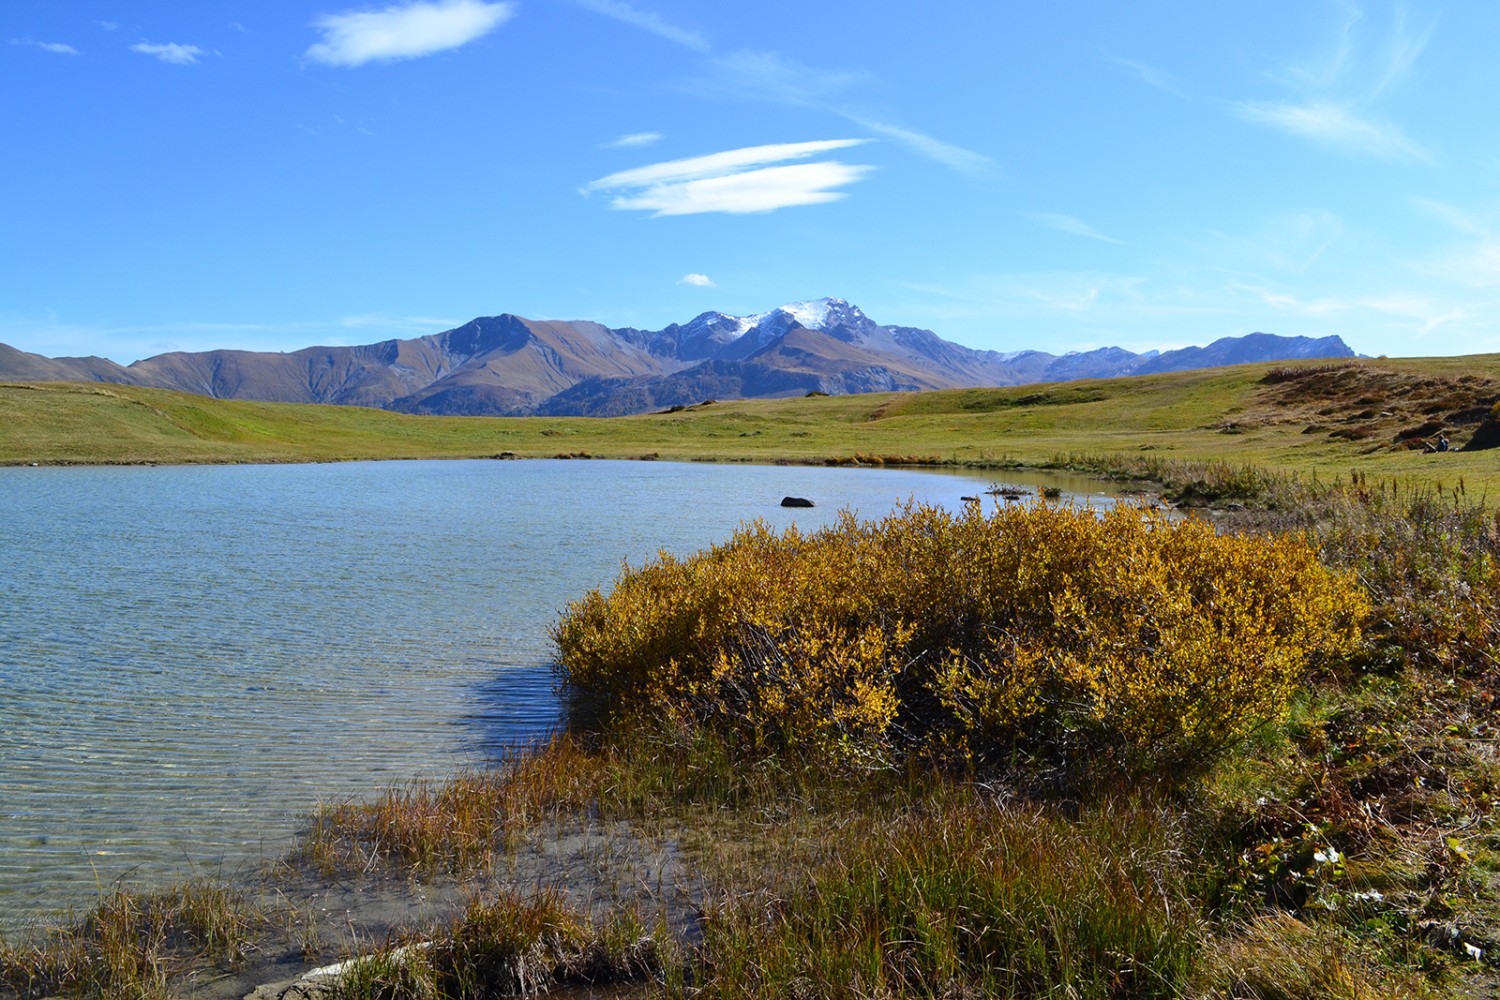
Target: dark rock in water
796, 502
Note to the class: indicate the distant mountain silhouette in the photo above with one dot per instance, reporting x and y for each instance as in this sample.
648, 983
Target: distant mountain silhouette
508, 366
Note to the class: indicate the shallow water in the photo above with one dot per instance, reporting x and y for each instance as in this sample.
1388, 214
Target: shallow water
192, 657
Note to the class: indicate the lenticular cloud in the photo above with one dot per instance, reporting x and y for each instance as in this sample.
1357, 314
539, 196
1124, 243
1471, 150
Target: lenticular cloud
736, 181
405, 31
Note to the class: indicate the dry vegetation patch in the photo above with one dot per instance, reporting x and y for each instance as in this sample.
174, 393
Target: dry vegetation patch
1364, 401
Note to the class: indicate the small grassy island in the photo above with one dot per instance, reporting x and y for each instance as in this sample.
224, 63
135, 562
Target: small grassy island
1019, 751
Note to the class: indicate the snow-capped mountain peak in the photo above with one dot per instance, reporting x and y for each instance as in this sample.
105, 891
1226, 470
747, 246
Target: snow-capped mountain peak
814, 313
820, 314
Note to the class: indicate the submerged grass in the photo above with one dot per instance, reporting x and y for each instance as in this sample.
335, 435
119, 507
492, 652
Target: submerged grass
134, 943
502, 946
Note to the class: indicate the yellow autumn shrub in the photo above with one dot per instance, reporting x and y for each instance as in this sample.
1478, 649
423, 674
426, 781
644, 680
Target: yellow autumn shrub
1031, 627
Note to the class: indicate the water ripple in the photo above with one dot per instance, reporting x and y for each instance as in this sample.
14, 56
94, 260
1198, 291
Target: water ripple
192, 657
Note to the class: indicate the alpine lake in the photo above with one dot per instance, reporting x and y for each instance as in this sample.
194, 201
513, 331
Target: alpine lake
193, 657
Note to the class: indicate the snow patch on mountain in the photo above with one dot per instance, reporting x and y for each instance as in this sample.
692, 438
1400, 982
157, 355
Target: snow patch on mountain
813, 314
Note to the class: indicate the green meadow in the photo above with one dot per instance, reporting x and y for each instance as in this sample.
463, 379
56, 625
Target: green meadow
1341, 416
1015, 751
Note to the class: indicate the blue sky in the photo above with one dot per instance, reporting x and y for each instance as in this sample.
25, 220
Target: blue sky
1063, 176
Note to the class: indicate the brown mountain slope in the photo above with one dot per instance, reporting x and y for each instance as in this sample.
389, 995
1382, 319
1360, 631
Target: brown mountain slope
22, 366
507, 365
534, 361
815, 353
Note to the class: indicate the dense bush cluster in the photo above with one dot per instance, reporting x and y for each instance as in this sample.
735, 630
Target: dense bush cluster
1039, 630
1428, 559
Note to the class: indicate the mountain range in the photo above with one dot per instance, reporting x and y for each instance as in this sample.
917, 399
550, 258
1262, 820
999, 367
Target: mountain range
509, 366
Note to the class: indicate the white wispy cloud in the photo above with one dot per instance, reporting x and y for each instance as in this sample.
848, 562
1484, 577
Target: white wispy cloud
1335, 125
1475, 264
1352, 61
946, 153
1424, 316
633, 140
406, 324
60, 48
1286, 241
697, 281
718, 164
404, 31
1454, 216
1399, 52
770, 76
747, 192
1069, 224
1473, 261
773, 77
1286, 302
1413, 313
1295, 241
1447, 303
170, 52
107, 25
1153, 77
1022, 293
1337, 88
647, 21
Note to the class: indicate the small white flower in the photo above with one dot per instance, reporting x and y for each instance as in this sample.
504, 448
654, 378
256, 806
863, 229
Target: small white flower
1327, 856
1475, 952
1373, 896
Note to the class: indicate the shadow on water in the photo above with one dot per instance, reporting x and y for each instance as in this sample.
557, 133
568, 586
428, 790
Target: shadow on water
515, 709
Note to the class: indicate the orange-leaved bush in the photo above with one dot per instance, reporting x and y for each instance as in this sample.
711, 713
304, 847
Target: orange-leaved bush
1041, 629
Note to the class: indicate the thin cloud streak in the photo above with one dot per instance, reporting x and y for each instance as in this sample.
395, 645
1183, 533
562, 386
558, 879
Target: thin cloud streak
960, 159
58, 48
1071, 225
407, 31
1290, 303
697, 281
634, 140
1335, 126
772, 77
170, 52
1401, 51
1152, 77
647, 21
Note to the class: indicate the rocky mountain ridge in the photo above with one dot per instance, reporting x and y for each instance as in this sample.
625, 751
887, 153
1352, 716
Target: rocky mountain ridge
510, 366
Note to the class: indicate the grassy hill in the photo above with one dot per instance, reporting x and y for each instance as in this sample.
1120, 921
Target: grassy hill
1306, 417
1079, 815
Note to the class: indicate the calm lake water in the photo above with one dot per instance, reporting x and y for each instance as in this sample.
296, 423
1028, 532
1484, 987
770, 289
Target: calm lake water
192, 657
